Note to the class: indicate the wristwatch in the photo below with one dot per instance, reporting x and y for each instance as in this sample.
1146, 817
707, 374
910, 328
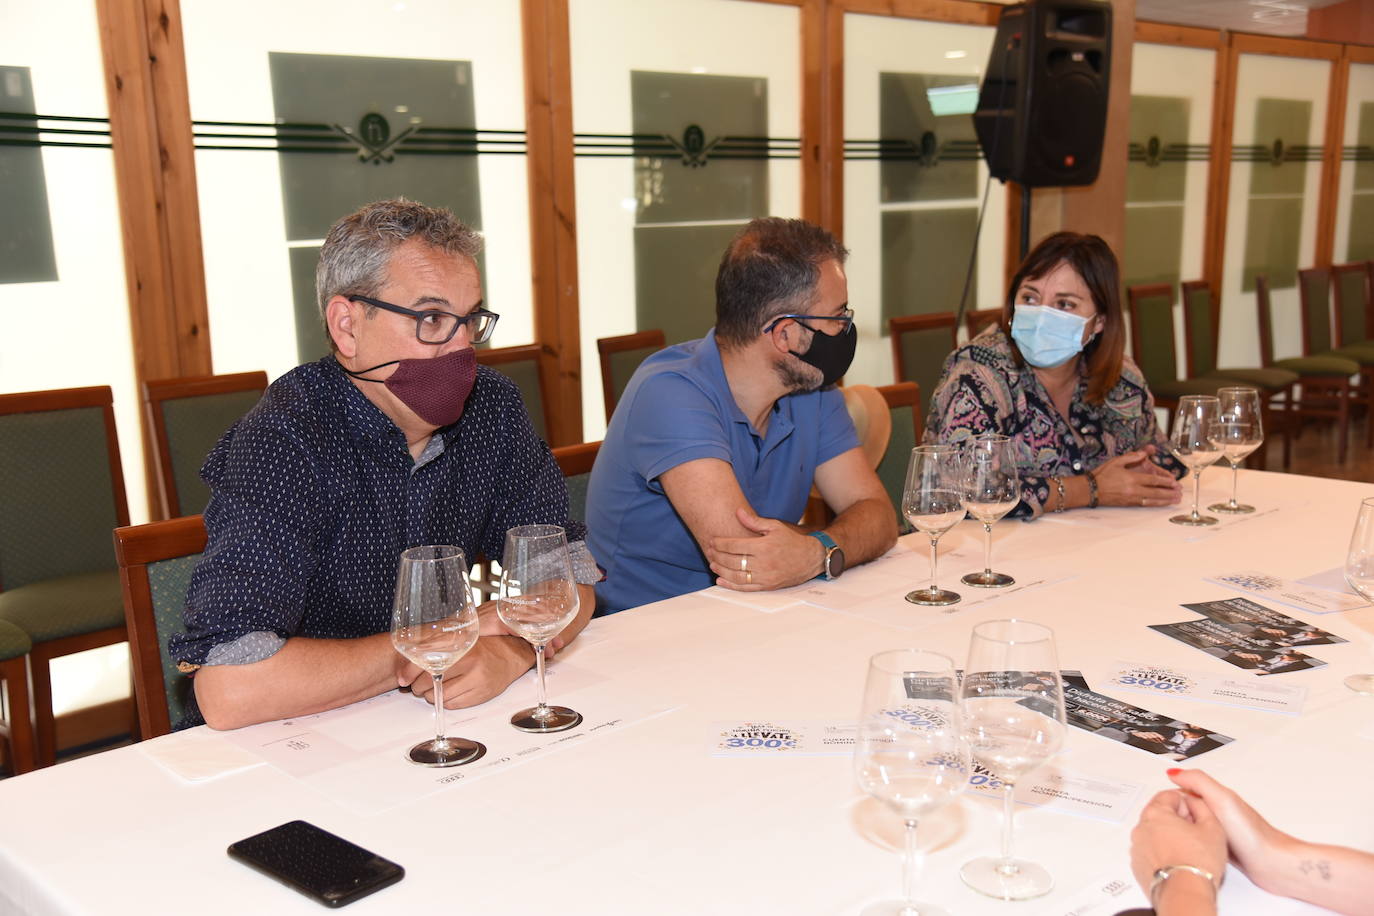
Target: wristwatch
834, 556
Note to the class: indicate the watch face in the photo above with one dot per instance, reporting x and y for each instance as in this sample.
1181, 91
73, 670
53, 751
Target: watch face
834, 562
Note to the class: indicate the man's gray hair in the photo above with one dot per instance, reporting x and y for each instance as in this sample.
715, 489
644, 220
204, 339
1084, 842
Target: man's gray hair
358, 249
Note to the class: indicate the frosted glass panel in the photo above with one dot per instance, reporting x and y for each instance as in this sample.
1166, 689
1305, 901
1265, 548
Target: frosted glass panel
1355, 201
687, 122
61, 250
914, 178
1271, 220
332, 105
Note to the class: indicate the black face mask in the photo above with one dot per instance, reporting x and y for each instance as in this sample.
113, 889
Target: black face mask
831, 354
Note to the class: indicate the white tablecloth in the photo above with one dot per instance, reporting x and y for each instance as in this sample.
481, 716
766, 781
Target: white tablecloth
642, 819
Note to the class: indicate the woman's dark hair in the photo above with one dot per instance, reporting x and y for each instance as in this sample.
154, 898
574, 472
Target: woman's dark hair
1091, 259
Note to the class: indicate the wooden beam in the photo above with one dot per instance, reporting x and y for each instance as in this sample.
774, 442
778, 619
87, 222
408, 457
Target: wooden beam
553, 210
1245, 43
832, 125
1163, 33
1332, 142
1219, 172
813, 109
958, 11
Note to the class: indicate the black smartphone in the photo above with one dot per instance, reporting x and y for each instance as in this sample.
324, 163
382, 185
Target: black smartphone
317, 863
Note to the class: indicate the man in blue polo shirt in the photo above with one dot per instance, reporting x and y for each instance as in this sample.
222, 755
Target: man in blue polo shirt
715, 444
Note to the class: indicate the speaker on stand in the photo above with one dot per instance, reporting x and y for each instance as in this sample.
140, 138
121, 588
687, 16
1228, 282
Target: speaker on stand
1042, 108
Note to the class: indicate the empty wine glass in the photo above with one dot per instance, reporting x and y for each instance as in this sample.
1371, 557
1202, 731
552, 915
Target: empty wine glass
1194, 441
1013, 717
1241, 433
1359, 573
434, 623
933, 502
908, 752
992, 488
538, 599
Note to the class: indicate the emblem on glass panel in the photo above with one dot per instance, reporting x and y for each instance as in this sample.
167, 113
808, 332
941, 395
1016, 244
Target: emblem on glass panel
373, 138
693, 147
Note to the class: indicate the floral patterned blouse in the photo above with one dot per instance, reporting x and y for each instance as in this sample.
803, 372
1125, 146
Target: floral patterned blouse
982, 390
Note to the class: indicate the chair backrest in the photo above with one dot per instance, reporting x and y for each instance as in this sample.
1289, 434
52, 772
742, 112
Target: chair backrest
1200, 337
187, 417
904, 406
1266, 320
61, 484
1152, 331
872, 420
576, 463
920, 344
155, 564
977, 319
526, 369
620, 357
1314, 292
1352, 302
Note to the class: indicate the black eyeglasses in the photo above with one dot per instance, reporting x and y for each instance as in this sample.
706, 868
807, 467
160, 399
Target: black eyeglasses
847, 316
434, 326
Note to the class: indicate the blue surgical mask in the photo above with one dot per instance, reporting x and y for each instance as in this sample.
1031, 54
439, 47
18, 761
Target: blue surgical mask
1047, 336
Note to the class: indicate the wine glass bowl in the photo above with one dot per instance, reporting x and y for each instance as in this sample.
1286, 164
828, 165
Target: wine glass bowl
1359, 575
538, 598
1195, 441
1012, 702
1239, 431
434, 624
992, 488
933, 501
908, 751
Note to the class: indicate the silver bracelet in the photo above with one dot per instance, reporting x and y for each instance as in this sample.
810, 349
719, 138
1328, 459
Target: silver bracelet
1165, 873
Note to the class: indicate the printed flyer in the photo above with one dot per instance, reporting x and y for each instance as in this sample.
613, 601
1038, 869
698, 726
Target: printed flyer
1293, 594
1222, 641
1136, 727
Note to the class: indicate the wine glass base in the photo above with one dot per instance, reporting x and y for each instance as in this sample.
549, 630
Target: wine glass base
1361, 683
450, 752
988, 580
903, 908
1190, 520
1007, 879
1229, 509
934, 597
559, 718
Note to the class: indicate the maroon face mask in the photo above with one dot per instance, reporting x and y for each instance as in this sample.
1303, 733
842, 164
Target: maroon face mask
436, 389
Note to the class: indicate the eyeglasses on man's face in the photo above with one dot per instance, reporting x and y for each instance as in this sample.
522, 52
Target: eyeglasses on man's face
847, 317
435, 326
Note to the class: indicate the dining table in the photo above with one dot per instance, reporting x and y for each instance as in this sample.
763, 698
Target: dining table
658, 802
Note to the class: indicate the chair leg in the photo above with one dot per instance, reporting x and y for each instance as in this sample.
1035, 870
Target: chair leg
1290, 417
20, 724
1343, 418
45, 724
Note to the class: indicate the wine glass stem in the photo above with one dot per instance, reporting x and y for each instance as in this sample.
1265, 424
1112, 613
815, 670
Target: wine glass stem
1235, 472
934, 542
1197, 490
539, 664
911, 866
1008, 817
438, 706
987, 548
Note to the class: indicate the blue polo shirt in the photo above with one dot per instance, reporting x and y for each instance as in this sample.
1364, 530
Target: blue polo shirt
678, 408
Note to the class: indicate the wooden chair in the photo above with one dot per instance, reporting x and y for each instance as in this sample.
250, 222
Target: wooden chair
908, 426
17, 724
1324, 380
1201, 349
920, 344
576, 463
620, 357
1152, 346
61, 493
977, 319
155, 564
1351, 283
526, 369
187, 417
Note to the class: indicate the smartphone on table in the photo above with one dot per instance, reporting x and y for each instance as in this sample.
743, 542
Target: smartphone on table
315, 862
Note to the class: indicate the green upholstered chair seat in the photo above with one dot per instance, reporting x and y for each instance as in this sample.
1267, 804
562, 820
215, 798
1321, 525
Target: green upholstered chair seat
1270, 379
1360, 353
577, 495
65, 606
1319, 365
14, 642
1177, 388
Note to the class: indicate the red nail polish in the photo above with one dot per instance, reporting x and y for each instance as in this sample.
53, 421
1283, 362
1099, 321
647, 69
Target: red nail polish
1173, 771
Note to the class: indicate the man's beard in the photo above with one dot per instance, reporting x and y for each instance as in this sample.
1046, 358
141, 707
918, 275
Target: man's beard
798, 378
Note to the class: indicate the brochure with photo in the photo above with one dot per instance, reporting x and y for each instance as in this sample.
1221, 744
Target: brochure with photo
1223, 641
1262, 625
1136, 727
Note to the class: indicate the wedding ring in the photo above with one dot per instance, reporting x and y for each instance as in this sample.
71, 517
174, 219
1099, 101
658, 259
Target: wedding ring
1142, 500
748, 577
744, 562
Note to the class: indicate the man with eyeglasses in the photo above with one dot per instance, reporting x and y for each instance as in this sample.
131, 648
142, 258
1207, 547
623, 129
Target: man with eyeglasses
716, 443
397, 439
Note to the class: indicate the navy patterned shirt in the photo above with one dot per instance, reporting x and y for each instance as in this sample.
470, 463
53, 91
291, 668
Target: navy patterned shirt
315, 495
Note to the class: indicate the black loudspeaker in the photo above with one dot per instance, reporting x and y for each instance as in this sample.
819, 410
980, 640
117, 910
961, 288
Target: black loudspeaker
1042, 109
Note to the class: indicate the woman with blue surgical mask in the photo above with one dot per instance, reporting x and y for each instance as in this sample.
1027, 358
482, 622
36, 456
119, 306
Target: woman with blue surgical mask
1053, 375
